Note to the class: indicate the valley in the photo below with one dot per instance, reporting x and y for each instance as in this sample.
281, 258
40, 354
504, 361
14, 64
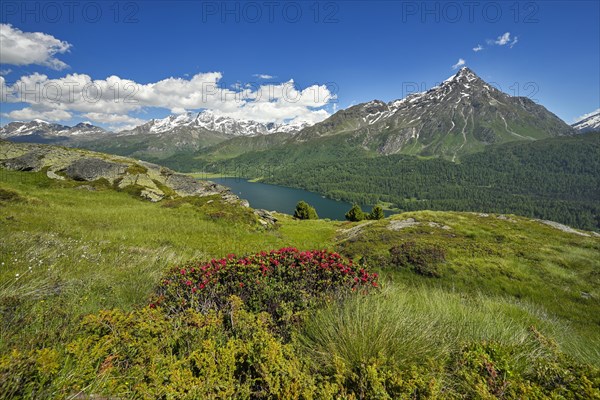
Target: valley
82, 237
197, 205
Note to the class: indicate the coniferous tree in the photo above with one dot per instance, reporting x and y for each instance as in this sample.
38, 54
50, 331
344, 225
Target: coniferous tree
305, 211
376, 213
355, 214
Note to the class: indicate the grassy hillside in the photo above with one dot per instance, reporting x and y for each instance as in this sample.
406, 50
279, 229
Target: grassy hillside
555, 179
473, 306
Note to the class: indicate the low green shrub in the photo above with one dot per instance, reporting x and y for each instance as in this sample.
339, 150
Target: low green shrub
136, 169
422, 259
147, 354
283, 283
7, 195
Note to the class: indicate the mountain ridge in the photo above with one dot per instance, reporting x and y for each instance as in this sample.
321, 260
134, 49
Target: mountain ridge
459, 116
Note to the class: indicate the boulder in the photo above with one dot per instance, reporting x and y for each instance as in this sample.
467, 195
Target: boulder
406, 223
31, 161
265, 217
90, 169
184, 185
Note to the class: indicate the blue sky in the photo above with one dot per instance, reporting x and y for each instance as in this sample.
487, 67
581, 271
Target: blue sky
348, 52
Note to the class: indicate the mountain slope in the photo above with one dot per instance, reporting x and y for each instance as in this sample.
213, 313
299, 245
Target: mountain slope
146, 180
555, 178
460, 116
589, 124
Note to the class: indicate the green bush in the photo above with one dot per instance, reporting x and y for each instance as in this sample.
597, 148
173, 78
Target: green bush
305, 211
421, 258
147, 354
355, 214
427, 343
284, 283
136, 169
376, 213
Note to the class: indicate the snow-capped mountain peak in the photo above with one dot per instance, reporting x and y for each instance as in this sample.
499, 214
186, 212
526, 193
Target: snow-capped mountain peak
211, 121
43, 128
591, 123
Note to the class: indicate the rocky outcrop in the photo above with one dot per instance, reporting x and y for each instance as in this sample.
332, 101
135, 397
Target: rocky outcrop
151, 181
27, 162
91, 169
265, 217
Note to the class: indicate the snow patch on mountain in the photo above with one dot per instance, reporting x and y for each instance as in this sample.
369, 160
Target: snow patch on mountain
210, 121
591, 123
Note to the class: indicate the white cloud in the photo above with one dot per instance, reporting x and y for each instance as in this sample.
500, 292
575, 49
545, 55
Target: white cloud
584, 116
24, 48
112, 118
115, 122
29, 113
79, 93
503, 39
263, 76
478, 48
459, 63
4, 72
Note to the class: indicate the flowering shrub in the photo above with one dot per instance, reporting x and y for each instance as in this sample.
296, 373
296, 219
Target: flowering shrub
281, 282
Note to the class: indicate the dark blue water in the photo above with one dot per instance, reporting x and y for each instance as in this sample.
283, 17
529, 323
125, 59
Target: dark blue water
284, 199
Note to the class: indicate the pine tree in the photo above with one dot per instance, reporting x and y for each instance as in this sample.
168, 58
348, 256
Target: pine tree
305, 211
376, 213
355, 214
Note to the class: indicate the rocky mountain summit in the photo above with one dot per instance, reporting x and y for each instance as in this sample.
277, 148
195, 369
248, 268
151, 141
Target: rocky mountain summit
461, 115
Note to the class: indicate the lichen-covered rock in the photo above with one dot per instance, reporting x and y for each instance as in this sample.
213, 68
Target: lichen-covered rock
90, 169
31, 161
152, 195
265, 217
182, 184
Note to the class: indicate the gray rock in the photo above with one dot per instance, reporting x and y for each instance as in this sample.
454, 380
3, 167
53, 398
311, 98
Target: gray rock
265, 217
31, 161
152, 195
52, 175
90, 169
562, 227
436, 225
184, 185
505, 218
406, 223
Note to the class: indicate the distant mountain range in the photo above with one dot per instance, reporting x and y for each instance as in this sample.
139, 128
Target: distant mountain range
42, 128
157, 137
460, 116
209, 121
202, 121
